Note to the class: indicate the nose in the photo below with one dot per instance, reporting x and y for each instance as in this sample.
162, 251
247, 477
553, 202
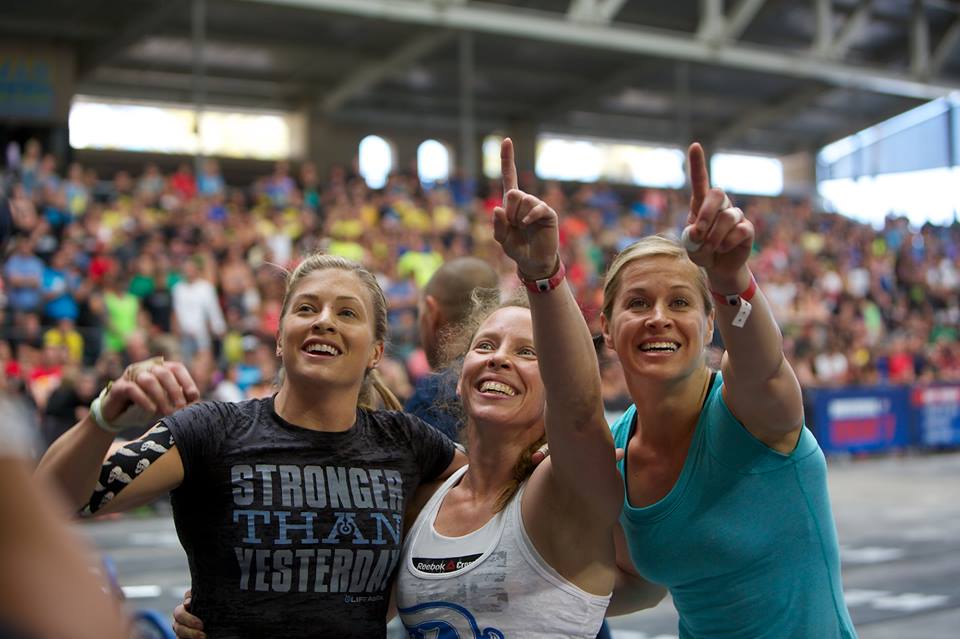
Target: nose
659, 317
498, 359
324, 320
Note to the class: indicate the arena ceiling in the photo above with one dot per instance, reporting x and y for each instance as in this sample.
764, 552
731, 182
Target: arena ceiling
775, 76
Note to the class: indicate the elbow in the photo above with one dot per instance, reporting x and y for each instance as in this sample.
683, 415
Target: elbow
656, 595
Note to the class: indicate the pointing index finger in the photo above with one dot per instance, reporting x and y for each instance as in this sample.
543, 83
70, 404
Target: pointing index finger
508, 167
699, 178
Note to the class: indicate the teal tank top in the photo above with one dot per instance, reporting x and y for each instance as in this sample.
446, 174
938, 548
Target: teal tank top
745, 540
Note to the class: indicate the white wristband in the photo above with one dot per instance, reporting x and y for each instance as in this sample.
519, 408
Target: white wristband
131, 417
742, 313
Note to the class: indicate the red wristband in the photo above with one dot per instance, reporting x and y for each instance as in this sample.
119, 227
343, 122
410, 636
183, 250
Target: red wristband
734, 300
547, 283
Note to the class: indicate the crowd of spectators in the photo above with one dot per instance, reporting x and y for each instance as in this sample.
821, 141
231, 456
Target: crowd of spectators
103, 272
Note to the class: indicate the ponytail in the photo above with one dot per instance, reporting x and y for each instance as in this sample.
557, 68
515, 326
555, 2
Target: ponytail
521, 470
374, 382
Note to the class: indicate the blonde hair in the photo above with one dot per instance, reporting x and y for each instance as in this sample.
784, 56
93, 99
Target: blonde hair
653, 246
321, 262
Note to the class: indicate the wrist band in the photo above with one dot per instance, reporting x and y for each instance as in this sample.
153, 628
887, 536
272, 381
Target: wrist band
735, 298
96, 411
132, 416
547, 283
741, 300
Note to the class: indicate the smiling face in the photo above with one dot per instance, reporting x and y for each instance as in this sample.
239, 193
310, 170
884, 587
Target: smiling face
658, 324
500, 381
327, 332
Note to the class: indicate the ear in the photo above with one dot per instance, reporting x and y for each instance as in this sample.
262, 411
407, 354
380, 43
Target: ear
605, 331
434, 315
711, 325
279, 345
375, 356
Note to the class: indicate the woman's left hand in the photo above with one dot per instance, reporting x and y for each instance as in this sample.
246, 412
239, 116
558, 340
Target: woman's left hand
526, 228
724, 235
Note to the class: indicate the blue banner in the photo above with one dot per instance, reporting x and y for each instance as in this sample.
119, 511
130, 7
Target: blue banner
855, 420
936, 412
26, 86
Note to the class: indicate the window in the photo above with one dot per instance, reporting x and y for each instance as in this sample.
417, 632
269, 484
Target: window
922, 196
433, 162
376, 161
748, 174
588, 160
97, 123
491, 156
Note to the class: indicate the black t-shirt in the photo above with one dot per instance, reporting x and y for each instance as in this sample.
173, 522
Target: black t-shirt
291, 532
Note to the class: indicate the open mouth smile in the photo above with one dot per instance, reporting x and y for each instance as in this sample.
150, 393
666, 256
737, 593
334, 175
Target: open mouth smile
664, 346
496, 389
321, 349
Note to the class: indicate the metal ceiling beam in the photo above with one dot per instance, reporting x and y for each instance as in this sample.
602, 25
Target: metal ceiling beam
553, 27
360, 80
851, 30
919, 41
130, 33
138, 77
740, 18
596, 11
945, 47
782, 109
711, 21
427, 122
855, 125
128, 92
823, 37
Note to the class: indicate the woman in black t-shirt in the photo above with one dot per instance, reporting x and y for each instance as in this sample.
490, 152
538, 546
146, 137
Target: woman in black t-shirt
287, 504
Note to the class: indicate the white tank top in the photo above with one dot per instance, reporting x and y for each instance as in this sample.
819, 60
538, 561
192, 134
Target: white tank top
490, 584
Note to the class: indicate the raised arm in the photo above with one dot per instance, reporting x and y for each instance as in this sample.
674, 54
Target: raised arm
142, 470
581, 447
759, 385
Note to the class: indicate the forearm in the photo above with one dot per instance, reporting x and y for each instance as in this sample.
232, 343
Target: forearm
760, 387
47, 586
632, 593
72, 463
755, 350
567, 358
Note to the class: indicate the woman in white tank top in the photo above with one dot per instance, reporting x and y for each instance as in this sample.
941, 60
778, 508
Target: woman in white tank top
503, 549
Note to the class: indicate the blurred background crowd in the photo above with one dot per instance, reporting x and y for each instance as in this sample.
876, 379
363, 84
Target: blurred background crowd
105, 270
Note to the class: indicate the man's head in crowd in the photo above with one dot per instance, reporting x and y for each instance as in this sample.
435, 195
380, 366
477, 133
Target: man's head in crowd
447, 301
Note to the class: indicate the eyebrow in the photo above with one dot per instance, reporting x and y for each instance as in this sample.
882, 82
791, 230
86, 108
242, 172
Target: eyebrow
499, 336
339, 298
675, 287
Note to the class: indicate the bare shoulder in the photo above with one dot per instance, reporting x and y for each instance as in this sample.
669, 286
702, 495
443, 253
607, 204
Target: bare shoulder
420, 498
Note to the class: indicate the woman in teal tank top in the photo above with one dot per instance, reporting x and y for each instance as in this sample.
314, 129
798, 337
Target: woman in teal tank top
726, 495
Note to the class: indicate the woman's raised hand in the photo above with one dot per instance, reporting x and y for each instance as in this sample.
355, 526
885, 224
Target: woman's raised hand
525, 226
720, 236
146, 391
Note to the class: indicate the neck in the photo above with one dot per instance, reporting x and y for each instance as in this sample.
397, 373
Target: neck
667, 411
493, 454
323, 411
